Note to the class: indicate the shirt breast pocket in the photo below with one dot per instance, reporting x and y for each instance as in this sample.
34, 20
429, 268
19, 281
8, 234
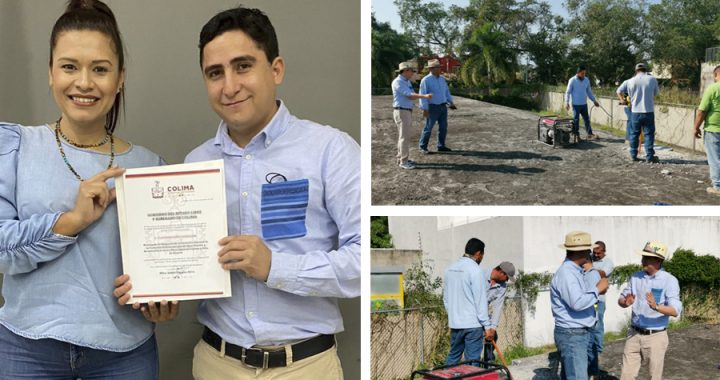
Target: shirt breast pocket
283, 207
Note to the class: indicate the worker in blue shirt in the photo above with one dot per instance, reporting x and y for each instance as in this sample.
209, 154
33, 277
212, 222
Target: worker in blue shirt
601, 267
403, 96
435, 109
573, 306
654, 295
497, 279
465, 299
642, 89
578, 90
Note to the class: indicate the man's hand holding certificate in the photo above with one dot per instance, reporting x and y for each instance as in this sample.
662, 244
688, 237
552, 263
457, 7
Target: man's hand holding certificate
171, 220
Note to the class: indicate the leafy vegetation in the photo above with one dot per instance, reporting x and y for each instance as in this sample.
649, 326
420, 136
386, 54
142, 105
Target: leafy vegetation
379, 233
529, 285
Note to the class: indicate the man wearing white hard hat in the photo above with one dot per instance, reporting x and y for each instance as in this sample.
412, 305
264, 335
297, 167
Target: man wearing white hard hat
573, 306
654, 295
403, 96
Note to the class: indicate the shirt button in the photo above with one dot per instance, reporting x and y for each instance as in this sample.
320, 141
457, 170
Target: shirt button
245, 194
280, 285
251, 314
248, 157
268, 142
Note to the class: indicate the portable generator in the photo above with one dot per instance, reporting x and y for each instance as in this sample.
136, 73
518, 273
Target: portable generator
465, 370
556, 131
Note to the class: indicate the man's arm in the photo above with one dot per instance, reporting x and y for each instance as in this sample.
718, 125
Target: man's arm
590, 93
423, 91
478, 285
333, 273
567, 93
447, 94
497, 307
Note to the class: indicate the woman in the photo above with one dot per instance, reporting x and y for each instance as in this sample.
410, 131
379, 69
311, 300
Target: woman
59, 240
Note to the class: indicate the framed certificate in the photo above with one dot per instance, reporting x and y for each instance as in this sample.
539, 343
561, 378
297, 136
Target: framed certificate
171, 219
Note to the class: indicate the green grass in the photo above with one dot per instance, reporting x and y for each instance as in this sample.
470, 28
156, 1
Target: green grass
680, 324
521, 351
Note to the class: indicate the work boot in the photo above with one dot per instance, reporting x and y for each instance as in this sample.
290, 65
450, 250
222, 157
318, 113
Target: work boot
444, 149
591, 137
653, 160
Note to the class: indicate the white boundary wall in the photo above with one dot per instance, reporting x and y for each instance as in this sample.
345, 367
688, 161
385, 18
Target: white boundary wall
673, 124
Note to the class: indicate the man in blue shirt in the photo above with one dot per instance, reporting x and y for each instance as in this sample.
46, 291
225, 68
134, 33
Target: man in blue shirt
642, 88
403, 96
497, 279
435, 109
465, 299
654, 296
603, 267
573, 306
293, 207
578, 90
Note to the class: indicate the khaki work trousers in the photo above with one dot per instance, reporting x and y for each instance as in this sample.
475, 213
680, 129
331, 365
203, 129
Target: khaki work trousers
403, 120
639, 347
208, 364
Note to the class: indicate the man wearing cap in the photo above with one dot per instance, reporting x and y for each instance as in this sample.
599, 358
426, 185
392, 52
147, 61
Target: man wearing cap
435, 109
654, 295
403, 96
497, 279
573, 306
709, 113
603, 266
642, 88
578, 90
465, 299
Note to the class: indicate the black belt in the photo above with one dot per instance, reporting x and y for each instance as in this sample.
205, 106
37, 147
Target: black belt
404, 109
259, 358
646, 332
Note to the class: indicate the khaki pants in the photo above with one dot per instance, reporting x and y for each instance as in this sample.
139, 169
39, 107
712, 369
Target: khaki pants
403, 120
639, 347
209, 365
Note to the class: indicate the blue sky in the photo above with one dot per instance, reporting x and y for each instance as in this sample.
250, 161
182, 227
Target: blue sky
385, 10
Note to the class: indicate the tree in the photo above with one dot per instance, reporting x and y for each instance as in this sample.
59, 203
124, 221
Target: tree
389, 48
609, 35
547, 47
379, 232
682, 31
435, 29
488, 47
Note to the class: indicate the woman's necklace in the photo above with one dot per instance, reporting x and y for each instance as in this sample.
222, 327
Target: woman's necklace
83, 146
62, 152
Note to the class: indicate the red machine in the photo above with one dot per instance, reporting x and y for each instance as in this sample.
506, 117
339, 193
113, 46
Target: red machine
464, 370
556, 131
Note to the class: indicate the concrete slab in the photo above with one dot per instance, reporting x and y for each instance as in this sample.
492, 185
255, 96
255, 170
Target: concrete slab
693, 353
496, 160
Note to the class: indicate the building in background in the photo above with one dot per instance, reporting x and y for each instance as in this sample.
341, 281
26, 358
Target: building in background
531, 243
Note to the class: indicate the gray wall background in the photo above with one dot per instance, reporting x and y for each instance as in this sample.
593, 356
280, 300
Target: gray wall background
167, 109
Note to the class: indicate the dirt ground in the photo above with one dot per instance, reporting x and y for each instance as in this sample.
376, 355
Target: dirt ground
693, 353
496, 160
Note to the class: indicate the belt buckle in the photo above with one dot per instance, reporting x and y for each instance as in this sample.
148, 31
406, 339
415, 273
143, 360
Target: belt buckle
266, 357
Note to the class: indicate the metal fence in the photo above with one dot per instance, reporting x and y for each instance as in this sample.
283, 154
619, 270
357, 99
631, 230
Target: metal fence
407, 339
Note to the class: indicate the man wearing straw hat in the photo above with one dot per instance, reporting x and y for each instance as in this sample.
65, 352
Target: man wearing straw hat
403, 96
435, 109
573, 306
654, 296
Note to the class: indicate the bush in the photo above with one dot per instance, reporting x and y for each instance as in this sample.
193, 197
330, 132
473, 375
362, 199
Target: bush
692, 270
529, 284
379, 233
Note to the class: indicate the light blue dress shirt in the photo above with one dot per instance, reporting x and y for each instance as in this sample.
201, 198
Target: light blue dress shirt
56, 286
662, 283
496, 299
642, 88
605, 265
465, 295
572, 300
436, 85
578, 91
402, 89
308, 273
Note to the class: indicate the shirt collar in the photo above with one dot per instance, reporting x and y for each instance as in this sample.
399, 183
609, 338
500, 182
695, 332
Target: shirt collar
572, 264
272, 131
657, 274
